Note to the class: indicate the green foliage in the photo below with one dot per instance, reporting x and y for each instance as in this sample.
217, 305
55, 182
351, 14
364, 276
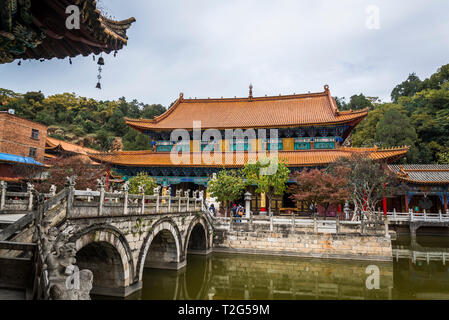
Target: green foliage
142, 179
443, 157
395, 129
422, 107
269, 176
408, 88
79, 116
228, 186
356, 102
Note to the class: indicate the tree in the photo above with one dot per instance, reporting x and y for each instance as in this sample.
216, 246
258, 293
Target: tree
395, 129
270, 177
368, 181
356, 102
227, 187
408, 88
443, 157
61, 168
141, 179
321, 188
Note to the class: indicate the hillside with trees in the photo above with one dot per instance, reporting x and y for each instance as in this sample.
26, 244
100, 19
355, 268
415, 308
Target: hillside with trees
88, 122
418, 116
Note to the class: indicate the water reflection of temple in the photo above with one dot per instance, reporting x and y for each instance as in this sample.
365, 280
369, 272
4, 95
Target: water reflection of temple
245, 277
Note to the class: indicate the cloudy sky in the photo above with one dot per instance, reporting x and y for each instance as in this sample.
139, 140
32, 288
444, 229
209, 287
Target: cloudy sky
212, 48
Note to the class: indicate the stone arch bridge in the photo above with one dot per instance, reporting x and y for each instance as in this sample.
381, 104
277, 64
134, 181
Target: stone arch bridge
119, 234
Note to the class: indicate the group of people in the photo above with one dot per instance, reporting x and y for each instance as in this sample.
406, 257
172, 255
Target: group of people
237, 211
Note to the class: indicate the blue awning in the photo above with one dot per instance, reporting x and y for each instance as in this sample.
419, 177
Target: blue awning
20, 159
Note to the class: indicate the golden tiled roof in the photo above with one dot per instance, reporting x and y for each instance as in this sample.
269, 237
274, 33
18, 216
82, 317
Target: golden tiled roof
264, 112
301, 158
53, 143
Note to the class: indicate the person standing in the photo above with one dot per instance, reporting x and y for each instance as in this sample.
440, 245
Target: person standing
212, 209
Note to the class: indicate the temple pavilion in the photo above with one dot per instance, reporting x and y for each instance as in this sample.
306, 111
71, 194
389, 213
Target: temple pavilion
37, 30
311, 132
428, 188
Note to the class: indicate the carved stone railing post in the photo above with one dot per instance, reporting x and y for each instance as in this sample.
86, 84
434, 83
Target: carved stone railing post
195, 197
186, 194
53, 190
125, 197
142, 191
179, 194
440, 216
102, 188
89, 199
70, 185
387, 232
3, 185
156, 193
204, 207
168, 194
30, 189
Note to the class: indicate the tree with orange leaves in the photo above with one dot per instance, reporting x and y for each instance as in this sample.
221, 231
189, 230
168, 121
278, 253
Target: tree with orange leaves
320, 188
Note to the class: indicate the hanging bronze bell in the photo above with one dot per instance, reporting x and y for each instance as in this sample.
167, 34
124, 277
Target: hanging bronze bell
101, 61
98, 85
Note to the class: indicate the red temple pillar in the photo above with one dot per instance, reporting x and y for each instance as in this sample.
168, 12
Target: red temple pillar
385, 205
406, 203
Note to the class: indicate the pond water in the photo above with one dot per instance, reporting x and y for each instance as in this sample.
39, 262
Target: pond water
417, 272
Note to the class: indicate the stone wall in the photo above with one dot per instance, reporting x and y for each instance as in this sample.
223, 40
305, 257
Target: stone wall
317, 245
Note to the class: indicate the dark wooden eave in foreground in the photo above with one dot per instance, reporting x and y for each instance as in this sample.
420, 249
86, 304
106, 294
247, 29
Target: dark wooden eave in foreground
47, 19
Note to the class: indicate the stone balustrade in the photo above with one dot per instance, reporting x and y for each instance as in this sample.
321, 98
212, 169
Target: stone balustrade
19, 201
99, 203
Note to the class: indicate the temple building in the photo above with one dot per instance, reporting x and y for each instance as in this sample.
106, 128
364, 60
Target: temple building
310, 132
56, 149
38, 30
428, 188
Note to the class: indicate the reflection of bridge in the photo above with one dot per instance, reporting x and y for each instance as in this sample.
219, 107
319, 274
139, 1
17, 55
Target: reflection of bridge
117, 235
415, 256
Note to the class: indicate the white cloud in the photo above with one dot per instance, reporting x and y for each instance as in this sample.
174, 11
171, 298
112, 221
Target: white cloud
208, 48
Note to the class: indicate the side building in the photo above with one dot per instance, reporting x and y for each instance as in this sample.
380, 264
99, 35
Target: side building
310, 132
22, 146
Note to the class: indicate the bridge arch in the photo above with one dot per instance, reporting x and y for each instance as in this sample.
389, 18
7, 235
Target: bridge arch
161, 248
198, 237
104, 250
